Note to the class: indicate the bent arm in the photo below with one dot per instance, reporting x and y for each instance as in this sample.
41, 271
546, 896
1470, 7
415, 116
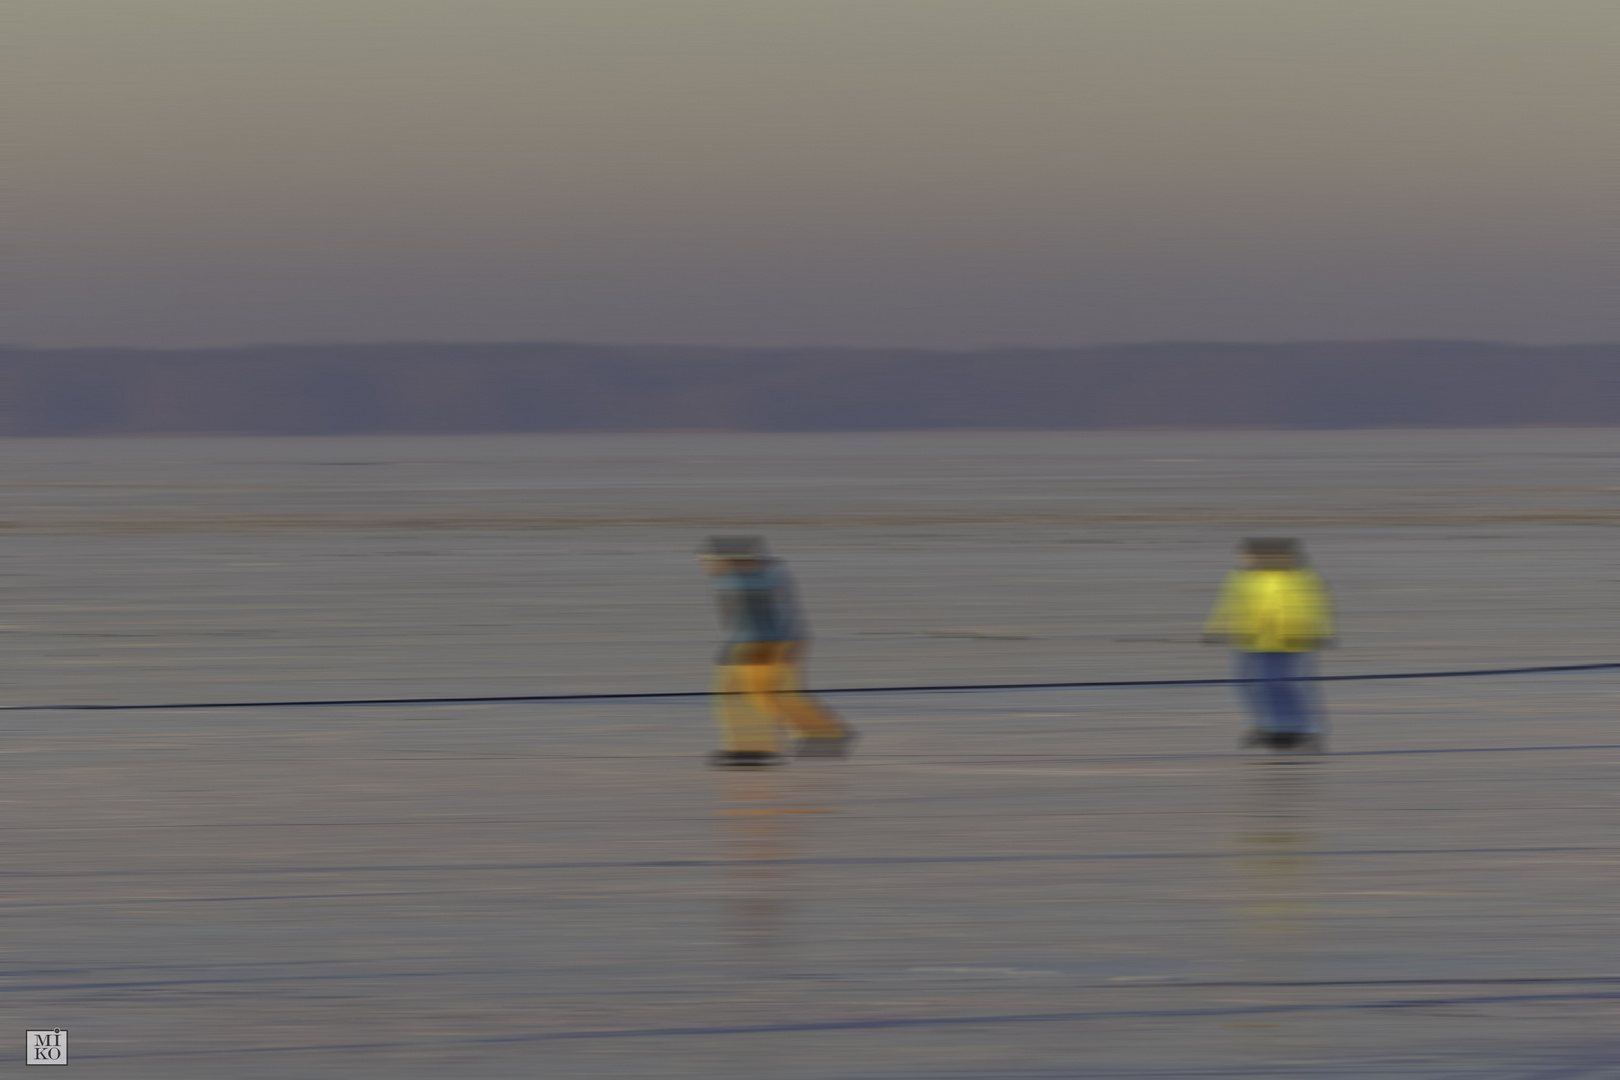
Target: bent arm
1228, 616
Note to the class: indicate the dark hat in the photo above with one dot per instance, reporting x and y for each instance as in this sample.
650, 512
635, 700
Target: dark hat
735, 547
1271, 545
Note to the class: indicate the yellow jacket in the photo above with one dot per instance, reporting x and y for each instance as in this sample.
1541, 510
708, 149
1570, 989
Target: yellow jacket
1273, 611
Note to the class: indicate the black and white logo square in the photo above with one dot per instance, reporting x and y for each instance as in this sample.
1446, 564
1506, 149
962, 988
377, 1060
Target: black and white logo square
47, 1047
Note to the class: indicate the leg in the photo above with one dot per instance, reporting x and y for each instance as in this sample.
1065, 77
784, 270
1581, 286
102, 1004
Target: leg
1296, 701
1288, 714
1251, 665
747, 731
821, 733
1272, 699
1285, 700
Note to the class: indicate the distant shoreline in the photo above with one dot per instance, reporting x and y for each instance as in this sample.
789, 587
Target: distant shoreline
437, 389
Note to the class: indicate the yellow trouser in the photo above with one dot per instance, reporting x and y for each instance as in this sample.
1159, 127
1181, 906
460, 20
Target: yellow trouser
759, 687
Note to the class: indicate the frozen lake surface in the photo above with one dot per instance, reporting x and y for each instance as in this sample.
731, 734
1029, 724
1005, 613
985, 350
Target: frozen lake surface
1000, 886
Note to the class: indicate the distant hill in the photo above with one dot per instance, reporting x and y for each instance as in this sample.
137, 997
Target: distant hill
445, 388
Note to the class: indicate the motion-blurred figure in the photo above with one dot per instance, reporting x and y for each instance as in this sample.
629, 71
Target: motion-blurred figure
758, 678
1275, 613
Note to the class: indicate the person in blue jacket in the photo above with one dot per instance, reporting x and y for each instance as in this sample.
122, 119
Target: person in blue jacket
758, 680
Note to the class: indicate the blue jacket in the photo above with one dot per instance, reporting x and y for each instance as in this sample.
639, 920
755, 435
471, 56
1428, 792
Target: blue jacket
759, 605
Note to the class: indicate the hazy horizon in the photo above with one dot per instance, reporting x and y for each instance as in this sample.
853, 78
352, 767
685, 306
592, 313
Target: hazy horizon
791, 173
830, 347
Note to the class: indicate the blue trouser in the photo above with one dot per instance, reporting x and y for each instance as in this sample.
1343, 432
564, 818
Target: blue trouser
1279, 705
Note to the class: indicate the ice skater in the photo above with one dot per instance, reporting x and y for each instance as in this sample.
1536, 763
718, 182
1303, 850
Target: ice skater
1275, 613
758, 677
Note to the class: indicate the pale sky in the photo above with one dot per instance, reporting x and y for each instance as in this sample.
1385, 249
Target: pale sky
811, 172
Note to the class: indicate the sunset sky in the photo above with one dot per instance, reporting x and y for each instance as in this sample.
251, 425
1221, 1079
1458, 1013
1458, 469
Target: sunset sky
779, 172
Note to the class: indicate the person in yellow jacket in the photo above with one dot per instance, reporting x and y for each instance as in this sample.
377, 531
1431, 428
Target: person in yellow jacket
1275, 612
